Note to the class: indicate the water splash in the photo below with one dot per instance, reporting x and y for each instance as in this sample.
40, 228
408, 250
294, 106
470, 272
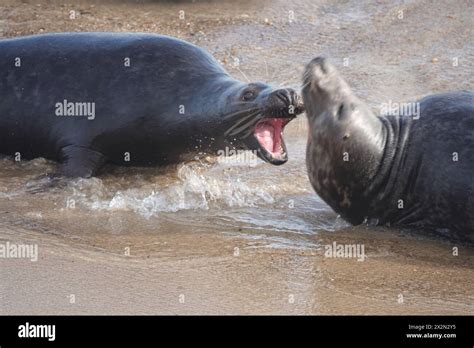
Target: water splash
196, 187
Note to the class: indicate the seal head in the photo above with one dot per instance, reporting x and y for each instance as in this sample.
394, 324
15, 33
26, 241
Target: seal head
393, 169
260, 118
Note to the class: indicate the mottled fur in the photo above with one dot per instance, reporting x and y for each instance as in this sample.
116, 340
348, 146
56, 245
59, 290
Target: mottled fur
365, 166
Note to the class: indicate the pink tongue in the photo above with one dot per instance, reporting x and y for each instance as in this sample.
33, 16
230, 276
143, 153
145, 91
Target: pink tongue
264, 133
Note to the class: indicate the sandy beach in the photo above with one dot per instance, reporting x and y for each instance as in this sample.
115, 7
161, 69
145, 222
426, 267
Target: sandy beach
224, 237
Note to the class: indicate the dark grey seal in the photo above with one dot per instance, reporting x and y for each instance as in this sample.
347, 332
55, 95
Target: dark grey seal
407, 170
86, 99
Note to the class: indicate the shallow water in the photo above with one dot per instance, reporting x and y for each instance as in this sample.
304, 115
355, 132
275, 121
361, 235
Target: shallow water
222, 237
228, 195
235, 236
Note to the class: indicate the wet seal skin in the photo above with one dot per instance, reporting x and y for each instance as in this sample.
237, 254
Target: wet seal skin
391, 169
85, 99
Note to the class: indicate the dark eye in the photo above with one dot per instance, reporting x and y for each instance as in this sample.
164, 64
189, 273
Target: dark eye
249, 95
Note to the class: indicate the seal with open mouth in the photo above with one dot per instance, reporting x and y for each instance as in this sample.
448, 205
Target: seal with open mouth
397, 169
86, 99
261, 127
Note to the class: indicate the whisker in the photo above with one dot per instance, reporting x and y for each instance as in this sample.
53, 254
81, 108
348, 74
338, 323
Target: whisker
248, 133
233, 131
307, 83
243, 119
243, 74
239, 122
240, 112
284, 82
245, 126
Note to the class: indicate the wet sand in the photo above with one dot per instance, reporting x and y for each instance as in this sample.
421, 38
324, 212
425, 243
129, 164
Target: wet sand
229, 237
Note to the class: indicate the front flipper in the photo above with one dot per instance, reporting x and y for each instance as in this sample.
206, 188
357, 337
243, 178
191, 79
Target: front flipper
80, 161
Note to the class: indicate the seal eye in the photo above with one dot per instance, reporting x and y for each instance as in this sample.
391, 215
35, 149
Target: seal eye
249, 95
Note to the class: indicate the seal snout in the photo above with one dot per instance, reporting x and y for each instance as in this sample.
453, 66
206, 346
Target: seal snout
323, 88
286, 102
281, 106
320, 75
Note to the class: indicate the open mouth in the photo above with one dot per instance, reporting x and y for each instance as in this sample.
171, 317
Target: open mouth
264, 133
269, 134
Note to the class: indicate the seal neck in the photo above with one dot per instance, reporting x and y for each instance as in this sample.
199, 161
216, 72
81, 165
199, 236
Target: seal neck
344, 154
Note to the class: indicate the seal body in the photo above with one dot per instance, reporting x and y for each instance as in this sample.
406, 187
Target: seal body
408, 170
85, 99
